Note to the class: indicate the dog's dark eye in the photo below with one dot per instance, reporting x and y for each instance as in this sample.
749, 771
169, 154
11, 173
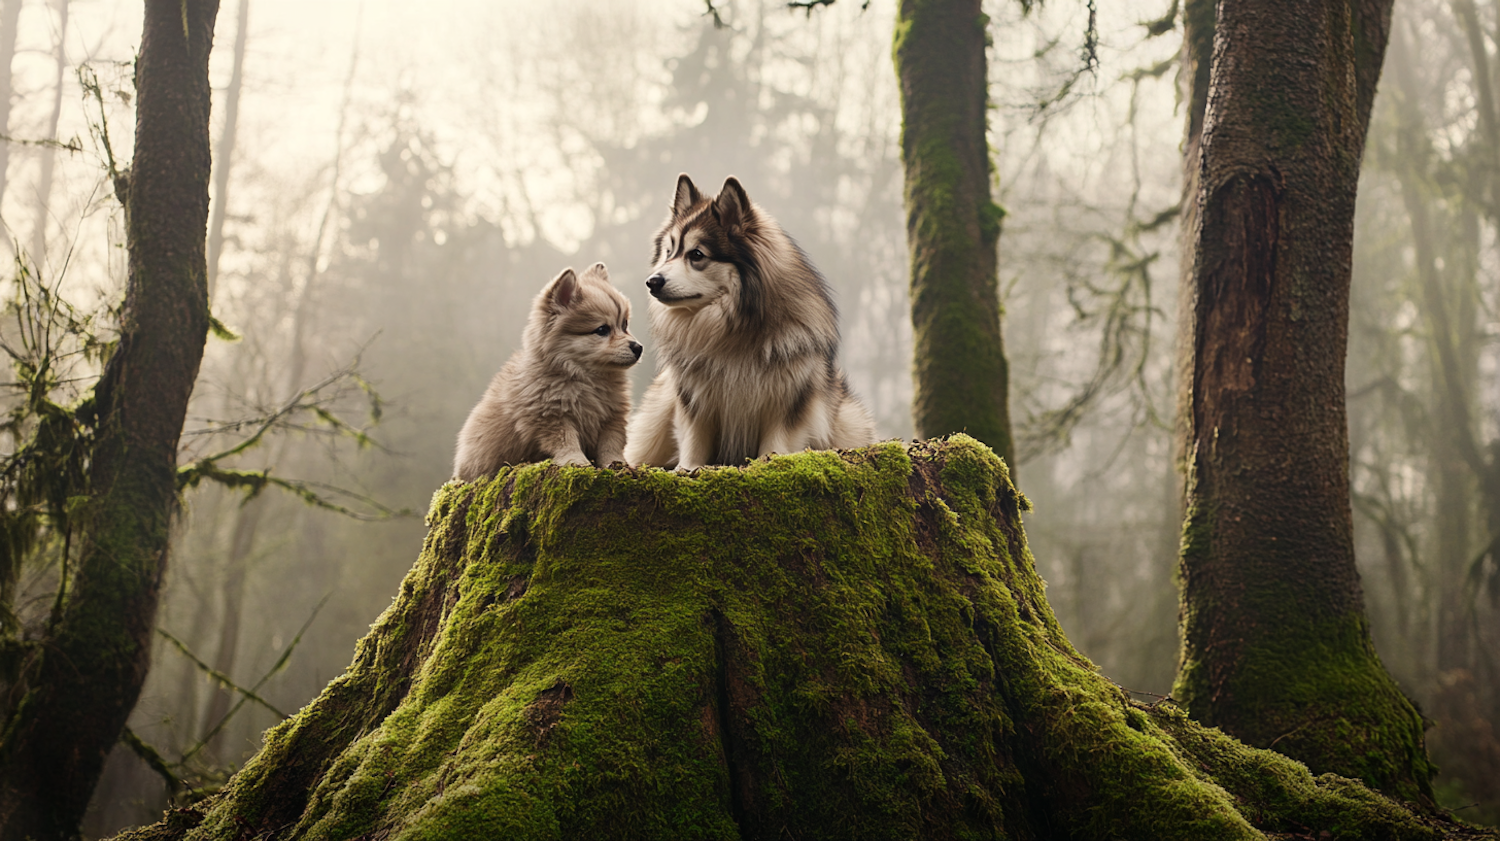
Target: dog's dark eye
601, 330
695, 255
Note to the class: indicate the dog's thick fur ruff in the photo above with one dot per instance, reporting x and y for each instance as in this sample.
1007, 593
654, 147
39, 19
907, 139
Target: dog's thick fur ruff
565, 394
748, 341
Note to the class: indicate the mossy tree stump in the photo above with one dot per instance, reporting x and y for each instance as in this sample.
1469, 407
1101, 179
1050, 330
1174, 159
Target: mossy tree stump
824, 645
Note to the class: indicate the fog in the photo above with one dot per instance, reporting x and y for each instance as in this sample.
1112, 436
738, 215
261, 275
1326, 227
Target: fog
405, 177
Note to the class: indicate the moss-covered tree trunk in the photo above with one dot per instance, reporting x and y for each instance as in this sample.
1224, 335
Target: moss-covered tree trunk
815, 646
1454, 360
1195, 59
10, 27
1451, 302
48, 154
227, 135
952, 224
78, 688
1276, 650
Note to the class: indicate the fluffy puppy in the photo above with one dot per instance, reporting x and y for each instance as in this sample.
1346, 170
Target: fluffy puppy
565, 394
748, 342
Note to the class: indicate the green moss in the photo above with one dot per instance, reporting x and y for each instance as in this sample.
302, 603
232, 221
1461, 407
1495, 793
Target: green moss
825, 645
1318, 693
1304, 681
990, 217
1191, 687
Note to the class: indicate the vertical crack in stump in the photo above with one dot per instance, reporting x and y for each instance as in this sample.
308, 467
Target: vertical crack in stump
740, 782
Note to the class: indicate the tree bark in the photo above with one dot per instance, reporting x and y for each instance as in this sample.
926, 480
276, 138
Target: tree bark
825, 645
1484, 460
1196, 58
1276, 647
247, 516
952, 225
49, 153
89, 668
236, 568
225, 155
1446, 245
10, 24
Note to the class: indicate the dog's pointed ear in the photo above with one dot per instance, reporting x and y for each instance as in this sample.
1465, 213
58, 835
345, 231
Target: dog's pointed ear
563, 290
686, 196
732, 206
598, 272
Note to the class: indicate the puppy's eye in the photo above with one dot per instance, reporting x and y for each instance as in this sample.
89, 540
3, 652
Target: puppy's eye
695, 255
601, 330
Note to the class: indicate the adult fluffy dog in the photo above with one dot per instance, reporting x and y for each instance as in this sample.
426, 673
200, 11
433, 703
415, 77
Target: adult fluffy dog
748, 340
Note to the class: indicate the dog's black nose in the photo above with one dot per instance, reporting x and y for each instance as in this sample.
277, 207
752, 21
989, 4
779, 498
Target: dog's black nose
655, 282
635, 348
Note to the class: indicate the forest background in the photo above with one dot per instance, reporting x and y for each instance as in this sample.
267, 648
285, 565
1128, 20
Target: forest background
402, 181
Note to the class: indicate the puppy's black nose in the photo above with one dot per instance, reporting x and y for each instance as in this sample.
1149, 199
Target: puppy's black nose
635, 348
655, 282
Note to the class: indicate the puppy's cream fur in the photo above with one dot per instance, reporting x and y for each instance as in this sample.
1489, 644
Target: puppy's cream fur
565, 394
748, 342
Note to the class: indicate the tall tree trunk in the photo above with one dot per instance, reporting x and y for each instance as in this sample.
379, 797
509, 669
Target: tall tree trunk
241, 546
1195, 60
1448, 297
1449, 307
88, 671
247, 517
952, 225
10, 22
1485, 461
185, 717
1452, 481
1484, 95
225, 157
49, 153
250, 515
1276, 647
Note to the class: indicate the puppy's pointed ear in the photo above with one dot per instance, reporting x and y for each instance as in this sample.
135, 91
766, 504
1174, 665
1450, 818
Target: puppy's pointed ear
686, 196
732, 206
563, 290
598, 272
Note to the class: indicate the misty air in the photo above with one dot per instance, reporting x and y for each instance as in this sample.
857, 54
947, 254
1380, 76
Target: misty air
750, 419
